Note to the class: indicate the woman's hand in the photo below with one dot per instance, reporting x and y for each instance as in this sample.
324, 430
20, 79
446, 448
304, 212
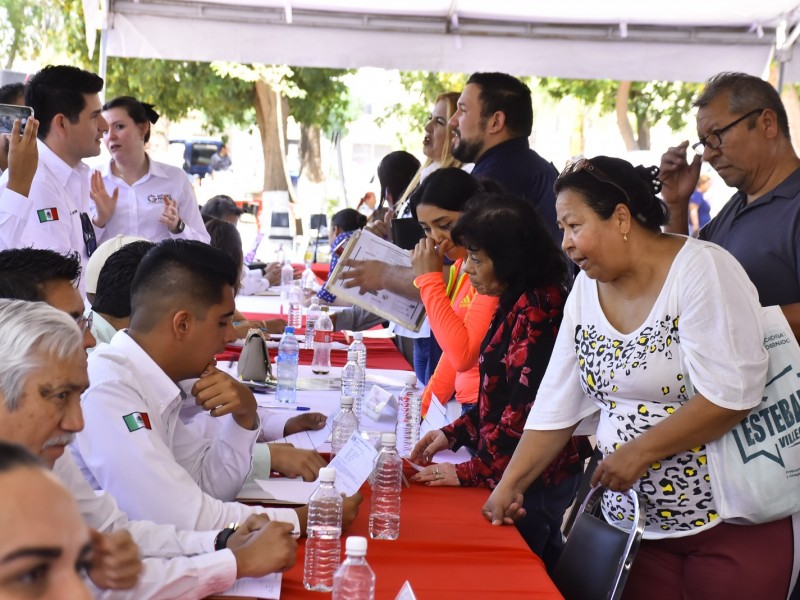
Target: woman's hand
443, 474
427, 257
106, 205
430, 444
504, 506
170, 216
620, 470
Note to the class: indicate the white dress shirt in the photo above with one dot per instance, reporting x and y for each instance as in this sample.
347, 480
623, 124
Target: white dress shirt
15, 211
139, 206
163, 471
177, 564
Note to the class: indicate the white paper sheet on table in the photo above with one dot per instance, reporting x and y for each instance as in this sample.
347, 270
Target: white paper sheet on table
353, 464
267, 587
292, 490
439, 416
309, 440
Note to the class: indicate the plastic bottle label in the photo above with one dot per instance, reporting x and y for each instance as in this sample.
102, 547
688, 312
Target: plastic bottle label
323, 337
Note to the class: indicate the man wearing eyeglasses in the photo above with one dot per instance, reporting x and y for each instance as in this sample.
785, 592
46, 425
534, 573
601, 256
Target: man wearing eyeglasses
744, 136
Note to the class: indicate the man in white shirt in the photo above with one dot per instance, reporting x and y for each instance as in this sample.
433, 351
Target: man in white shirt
23, 159
135, 445
176, 563
67, 104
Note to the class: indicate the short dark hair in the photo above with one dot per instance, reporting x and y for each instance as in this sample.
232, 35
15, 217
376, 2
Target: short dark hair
501, 92
226, 237
138, 111
511, 232
40, 266
618, 182
179, 273
19, 286
113, 292
59, 89
745, 93
348, 219
448, 189
220, 206
11, 93
395, 172
14, 456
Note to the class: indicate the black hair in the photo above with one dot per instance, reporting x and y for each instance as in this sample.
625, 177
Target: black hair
179, 274
226, 237
14, 456
220, 206
60, 89
138, 111
745, 93
348, 219
448, 189
501, 92
395, 172
20, 286
11, 93
113, 295
613, 181
510, 231
40, 266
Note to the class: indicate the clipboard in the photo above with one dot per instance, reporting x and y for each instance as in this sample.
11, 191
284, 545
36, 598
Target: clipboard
364, 245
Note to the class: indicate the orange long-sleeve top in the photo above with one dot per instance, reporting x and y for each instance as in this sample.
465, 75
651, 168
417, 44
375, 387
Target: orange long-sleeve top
459, 319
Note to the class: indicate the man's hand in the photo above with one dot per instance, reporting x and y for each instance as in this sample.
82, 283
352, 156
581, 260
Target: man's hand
253, 523
106, 205
382, 228
350, 510
504, 506
23, 157
438, 475
272, 273
364, 274
293, 462
427, 257
220, 394
267, 549
305, 422
678, 181
431, 443
114, 560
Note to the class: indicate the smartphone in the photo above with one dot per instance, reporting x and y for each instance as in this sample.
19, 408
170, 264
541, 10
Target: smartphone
10, 112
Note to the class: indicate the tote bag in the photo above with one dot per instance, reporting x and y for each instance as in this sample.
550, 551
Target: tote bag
755, 467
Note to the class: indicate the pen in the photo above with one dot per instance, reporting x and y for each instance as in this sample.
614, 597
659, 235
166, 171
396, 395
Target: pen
285, 407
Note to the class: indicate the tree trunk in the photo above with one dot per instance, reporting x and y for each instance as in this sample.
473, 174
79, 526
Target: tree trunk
310, 154
643, 139
624, 124
271, 126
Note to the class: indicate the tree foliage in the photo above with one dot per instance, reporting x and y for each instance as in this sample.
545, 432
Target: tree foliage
326, 101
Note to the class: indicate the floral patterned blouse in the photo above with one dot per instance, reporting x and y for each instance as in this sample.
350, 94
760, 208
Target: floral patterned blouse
513, 360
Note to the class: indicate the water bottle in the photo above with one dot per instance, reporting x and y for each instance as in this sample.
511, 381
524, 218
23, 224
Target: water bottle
323, 338
308, 281
384, 513
345, 424
361, 349
409, 413
288, 359
353, 382
287, 278
313, 314
324, 530
354, 580
295, 312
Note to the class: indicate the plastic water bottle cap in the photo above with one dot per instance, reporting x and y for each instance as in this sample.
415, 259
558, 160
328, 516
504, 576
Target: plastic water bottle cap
356, 545
325, 309
388, 438
288, 329
411, 379
346, 401
358, 335
327, 475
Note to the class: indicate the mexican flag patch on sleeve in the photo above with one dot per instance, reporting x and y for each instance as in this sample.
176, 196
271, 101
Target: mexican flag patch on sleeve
47, 214
137, 420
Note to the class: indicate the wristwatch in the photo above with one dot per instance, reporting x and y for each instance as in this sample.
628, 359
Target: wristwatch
221, 541
179, 227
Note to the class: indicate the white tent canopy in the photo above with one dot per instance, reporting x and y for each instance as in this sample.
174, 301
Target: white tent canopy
686, 40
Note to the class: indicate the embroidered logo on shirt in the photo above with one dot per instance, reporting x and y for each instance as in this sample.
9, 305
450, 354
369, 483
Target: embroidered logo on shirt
136, 421
47, 214
158, 198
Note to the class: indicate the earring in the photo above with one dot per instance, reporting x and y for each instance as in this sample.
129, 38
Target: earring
625, 237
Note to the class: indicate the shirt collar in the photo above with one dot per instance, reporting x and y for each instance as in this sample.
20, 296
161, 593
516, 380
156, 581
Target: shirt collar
56, 165
512, 145
788, 188
155, 384
154, 169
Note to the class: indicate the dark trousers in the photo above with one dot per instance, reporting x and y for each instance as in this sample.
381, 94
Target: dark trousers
541, 525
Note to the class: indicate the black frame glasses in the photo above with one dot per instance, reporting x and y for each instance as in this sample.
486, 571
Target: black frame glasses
714, 139
584, 164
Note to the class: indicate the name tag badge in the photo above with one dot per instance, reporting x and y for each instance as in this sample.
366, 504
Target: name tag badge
158, 198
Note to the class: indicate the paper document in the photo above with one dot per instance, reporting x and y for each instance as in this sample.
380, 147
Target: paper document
292, 490
364, 245
353, 464
438, 416
267, 587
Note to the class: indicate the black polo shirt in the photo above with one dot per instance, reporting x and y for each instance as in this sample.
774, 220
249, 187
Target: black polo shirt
764, 236
525, 173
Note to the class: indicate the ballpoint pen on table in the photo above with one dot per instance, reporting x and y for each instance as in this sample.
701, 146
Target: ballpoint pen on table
285, 407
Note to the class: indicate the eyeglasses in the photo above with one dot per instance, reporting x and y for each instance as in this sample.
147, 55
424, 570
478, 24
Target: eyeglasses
85, 322
584, 164
714, 139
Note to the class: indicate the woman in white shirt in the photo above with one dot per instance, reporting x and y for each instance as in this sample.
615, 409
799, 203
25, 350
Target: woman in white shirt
662, 336
154, 200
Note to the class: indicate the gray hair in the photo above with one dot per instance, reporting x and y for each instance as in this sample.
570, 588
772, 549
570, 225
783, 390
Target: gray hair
32, 333
745, 93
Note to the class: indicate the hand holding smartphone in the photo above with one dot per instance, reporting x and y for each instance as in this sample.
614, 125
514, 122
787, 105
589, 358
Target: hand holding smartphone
11, 112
